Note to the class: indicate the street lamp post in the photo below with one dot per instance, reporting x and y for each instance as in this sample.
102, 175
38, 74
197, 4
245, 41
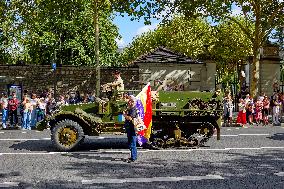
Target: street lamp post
54, 75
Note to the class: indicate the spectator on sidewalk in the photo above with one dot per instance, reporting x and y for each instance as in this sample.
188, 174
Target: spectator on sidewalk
72, 99
61, 101
4, 107
258, 110
241, 119
276, 110
13, 104
27, 110
228, 109
34, 103
250, 112
265, 111
261, 97
247, 100
41, 109
78, 97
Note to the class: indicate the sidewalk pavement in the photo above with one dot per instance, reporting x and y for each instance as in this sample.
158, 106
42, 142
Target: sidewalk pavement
235, 115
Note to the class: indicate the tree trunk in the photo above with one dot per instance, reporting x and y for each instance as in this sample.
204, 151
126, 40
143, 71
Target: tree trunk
97, 48
254, 86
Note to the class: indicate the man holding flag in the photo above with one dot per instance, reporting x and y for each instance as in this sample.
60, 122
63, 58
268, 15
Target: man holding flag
130, 114
138, 108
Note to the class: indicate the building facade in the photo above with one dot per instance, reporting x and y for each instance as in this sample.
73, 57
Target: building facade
169, 70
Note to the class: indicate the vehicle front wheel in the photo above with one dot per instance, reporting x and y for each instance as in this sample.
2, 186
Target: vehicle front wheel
67, 135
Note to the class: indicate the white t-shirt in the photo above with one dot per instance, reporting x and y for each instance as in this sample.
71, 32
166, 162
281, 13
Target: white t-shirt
4, 102
42, 105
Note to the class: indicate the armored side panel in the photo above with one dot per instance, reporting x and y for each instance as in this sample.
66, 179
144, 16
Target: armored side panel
184, 116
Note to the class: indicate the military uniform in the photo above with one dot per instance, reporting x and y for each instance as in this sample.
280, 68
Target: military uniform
118, 85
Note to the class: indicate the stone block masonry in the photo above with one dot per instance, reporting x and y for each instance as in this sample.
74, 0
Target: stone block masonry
36, 78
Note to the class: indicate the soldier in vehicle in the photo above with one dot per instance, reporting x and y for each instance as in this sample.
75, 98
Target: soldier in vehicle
116, 85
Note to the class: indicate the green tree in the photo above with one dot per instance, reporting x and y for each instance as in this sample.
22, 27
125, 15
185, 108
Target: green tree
265, 14
180, 34
225, 42
62, 30
9, 23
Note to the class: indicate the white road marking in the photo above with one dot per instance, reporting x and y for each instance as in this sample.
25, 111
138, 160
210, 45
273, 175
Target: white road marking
237, 128
23, 139
192, 150
34, 153
227, 135
151, 179
262, 134
2, 132
229, 129
24, 132
280, 174
8, 184
254, 134
140, 151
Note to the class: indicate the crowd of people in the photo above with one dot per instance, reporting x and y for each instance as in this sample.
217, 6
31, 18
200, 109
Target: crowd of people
255, 110
33, 107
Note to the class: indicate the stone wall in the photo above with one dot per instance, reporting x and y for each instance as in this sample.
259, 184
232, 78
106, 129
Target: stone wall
194, 77
67, 78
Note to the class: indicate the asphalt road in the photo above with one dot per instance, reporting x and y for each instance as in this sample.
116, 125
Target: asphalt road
244, 158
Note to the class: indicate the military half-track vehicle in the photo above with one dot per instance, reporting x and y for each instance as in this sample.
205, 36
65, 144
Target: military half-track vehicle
179, 118
185, 118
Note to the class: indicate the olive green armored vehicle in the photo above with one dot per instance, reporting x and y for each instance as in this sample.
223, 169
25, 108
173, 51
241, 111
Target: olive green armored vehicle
180, 119
185, 118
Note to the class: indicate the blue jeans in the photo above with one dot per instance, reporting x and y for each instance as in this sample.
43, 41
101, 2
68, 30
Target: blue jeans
26, 120
40, 115
4, 118
132, 139
33, 117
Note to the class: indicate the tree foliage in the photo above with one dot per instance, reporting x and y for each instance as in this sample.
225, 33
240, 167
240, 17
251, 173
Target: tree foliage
226, 43
265, 14
60, 31
182, 35
232, 45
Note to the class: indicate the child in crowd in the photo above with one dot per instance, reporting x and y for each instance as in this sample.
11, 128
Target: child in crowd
228, 109
41, 109
265, 110
258, 111
250, 112
241, 119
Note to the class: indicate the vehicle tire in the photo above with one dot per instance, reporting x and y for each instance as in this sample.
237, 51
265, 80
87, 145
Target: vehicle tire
67, 135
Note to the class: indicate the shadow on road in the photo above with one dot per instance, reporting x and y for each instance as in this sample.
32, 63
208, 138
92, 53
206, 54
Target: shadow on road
237, 170
89, 144
277, 136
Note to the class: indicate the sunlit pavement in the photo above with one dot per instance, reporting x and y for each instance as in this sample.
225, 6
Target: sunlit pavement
250, 157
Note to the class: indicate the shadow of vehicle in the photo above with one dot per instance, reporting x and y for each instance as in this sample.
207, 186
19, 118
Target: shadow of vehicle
89, 144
